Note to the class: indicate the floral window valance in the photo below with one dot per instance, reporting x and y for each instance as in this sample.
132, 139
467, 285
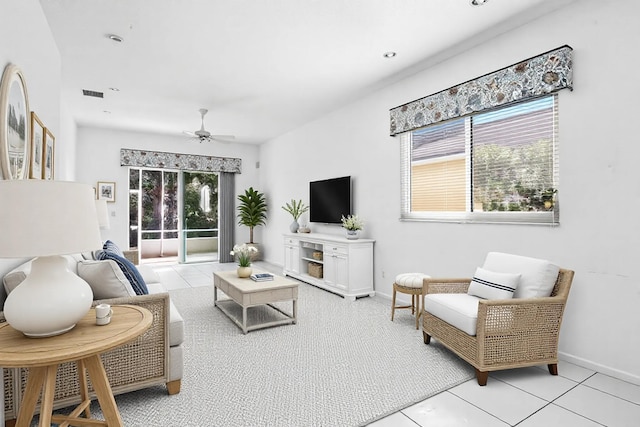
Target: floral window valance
185, 162
533, 77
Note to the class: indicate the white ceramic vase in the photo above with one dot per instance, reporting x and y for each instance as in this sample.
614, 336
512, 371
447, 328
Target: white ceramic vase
352, 234
244, 272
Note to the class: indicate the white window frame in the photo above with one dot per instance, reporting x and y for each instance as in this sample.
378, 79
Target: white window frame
549, 218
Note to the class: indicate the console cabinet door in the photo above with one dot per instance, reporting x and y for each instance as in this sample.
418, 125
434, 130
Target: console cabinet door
336, 266
291, 256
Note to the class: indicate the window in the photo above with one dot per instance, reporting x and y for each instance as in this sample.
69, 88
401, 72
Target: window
496, 166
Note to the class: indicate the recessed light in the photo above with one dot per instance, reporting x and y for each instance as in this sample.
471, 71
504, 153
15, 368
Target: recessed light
478, 2
389, 55
115, 38
114, 89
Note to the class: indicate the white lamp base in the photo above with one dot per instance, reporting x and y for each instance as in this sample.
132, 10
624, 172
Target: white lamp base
50, 301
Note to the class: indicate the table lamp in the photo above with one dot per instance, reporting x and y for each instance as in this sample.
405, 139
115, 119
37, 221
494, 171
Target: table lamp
47, 219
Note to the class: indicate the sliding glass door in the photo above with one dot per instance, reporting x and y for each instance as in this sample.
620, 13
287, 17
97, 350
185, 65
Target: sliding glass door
173, 214
199, 235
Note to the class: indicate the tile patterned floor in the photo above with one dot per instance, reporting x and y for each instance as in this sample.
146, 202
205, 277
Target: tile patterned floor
528, 397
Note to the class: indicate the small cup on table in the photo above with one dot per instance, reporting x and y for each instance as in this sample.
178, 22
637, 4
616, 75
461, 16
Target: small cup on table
103, 314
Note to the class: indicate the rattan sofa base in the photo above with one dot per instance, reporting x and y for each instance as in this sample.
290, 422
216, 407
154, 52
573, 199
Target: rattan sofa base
512, 333
139, 364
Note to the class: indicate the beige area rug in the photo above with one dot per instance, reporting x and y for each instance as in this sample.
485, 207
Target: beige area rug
344, 364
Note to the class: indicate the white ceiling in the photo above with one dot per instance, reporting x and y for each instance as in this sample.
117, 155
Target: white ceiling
261, 67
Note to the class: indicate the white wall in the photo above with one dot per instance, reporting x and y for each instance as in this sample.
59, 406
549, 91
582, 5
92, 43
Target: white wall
27, 43
98, 159
599, 192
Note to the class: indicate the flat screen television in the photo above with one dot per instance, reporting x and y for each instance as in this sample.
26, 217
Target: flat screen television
329, 200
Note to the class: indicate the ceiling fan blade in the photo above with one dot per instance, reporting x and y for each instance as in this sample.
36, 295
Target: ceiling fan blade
204, 136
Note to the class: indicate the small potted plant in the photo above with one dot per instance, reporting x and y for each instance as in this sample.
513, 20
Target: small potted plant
295, 208
353, 224
243, 254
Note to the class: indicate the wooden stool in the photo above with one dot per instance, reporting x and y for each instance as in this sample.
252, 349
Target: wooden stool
409, 283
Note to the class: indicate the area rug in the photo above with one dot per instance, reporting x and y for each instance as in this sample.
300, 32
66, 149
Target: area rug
343, 364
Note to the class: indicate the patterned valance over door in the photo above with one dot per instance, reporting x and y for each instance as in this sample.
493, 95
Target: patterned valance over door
184, 162
531, 78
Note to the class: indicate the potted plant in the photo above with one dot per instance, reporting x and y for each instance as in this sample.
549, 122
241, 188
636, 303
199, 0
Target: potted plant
296, 208
353, 224
252, 211
243, 254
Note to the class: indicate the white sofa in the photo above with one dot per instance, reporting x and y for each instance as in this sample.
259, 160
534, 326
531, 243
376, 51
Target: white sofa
154, 358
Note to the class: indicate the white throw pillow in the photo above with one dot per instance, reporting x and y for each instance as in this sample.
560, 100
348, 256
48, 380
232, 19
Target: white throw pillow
105, 278
538, 276
492, 285
12, 280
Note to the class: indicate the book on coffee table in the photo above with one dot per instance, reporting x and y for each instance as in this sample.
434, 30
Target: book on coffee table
261, 277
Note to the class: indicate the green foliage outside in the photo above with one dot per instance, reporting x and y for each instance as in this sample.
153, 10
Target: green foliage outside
516, 178
196, 214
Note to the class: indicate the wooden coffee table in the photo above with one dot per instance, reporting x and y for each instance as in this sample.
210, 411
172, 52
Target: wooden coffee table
247, 293
83, 344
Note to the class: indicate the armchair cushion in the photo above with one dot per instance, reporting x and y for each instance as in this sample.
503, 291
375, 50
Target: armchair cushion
537, 275
492, 285
459, 310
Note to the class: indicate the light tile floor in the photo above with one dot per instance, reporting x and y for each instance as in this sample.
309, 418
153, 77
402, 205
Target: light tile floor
528, 397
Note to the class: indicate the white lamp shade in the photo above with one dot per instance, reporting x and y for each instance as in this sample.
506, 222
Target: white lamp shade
46, 219
41, 218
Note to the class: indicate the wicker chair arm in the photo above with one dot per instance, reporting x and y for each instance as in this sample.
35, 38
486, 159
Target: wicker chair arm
519, 316
445, 286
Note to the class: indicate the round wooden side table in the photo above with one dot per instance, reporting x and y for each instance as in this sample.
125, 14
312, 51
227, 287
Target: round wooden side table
83, 344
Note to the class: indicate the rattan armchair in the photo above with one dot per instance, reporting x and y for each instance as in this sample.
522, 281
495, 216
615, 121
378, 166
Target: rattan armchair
511, 333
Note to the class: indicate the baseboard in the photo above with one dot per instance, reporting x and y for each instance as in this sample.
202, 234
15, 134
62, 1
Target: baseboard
603, 369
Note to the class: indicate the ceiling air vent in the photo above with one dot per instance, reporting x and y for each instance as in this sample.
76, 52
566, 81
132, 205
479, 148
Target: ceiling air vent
92, 93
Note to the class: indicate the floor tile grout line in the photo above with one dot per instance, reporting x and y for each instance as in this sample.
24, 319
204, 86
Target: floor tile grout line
411, 419
476, 406
608, 393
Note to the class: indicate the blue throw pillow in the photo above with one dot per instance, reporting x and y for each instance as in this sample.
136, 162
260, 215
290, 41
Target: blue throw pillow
109, 246
129, 270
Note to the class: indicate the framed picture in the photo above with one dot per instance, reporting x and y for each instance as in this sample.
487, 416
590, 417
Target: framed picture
15, 128
37, 145
107, 191
48, 155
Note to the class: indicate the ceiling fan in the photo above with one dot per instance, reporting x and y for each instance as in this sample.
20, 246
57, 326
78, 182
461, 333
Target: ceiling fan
204, 135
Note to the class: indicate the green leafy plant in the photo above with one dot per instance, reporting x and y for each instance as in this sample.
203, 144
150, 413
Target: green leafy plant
296, 208
252, 210
243, 254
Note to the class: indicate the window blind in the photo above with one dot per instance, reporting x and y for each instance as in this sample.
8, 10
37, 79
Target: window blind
496, 166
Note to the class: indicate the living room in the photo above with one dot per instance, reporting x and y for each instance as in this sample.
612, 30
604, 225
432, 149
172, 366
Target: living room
596, 234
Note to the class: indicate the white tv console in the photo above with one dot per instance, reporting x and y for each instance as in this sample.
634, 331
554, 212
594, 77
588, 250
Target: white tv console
347, 265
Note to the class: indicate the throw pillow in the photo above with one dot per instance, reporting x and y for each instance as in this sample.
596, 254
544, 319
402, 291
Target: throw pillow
130, 271
491, 285
105, 278
13, 279
109, 246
